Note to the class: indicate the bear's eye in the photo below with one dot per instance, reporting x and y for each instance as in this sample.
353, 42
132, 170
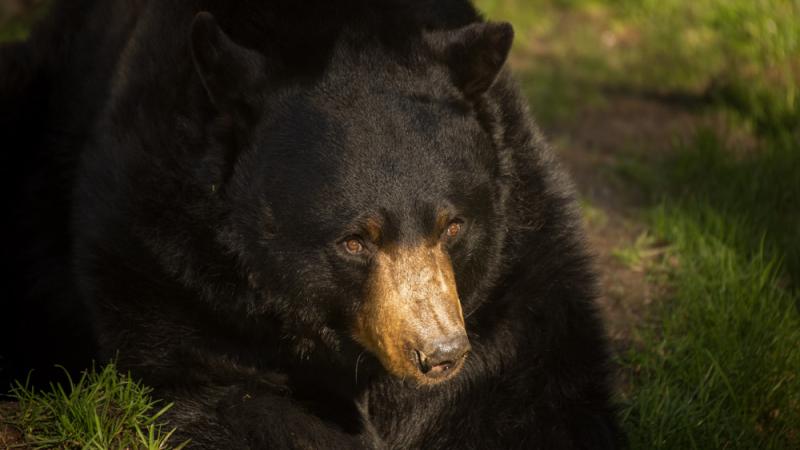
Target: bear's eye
354, 246
453, 229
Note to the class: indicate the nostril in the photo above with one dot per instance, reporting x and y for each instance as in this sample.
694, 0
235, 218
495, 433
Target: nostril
422, 361
445, 355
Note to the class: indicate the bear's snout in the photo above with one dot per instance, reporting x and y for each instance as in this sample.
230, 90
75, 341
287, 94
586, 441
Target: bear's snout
411, 317
443, 358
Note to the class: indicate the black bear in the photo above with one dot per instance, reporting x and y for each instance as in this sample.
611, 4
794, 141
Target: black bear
321, 224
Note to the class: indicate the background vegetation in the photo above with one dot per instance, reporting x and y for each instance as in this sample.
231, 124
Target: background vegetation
681, 123
714, 362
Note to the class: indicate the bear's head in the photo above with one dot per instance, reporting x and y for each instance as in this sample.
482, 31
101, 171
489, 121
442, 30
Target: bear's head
365, 205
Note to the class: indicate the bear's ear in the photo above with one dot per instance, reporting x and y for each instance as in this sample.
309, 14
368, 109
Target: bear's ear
475, 54
228, 71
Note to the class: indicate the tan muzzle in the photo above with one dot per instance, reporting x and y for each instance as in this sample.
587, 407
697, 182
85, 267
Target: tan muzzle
411, 317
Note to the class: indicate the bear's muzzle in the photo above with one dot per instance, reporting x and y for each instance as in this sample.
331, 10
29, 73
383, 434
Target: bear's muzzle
411, 318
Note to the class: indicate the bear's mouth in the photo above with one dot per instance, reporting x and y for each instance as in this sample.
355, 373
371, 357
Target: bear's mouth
411, 317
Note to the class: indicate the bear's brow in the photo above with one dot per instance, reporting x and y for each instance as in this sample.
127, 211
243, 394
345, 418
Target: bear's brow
374, 227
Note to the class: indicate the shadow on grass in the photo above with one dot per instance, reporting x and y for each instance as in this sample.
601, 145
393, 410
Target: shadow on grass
719, 369
749, 200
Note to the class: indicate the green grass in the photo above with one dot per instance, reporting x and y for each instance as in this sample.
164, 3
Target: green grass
745, 54
102, 410
557, 55
640, 252
719, 368
741, 54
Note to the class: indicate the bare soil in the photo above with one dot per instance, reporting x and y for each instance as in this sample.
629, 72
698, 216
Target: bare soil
10, 437
592, 145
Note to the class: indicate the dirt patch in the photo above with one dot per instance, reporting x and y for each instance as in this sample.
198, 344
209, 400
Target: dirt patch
593, 144
10, 437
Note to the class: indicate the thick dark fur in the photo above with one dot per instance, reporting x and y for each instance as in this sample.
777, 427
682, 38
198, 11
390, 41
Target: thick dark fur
198, 218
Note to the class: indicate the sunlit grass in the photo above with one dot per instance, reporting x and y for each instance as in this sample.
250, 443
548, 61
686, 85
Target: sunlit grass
742, 54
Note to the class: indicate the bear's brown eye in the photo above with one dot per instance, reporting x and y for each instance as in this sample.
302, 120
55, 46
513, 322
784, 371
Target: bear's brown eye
453, 229
353, 246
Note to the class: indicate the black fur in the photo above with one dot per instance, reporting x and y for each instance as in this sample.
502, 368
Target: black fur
190, 186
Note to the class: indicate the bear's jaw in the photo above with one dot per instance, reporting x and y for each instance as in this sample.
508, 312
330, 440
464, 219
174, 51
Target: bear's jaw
411, 318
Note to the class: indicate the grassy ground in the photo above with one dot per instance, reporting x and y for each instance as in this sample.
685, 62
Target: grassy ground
102, 410
719, 368
679, 121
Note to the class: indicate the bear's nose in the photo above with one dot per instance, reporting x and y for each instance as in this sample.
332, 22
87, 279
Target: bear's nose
443, 356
